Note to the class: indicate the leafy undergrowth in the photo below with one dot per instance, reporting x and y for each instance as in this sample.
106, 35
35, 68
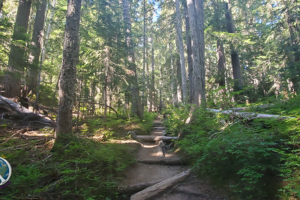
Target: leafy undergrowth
88, 167
254, 159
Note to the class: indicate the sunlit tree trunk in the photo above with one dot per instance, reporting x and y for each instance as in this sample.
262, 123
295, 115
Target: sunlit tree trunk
235, 60
200, 30
12, 80
152, 101
144, 58
198, 77
68, 70
181, 51
136, 104
189, 53
36, 44
148, 78
172, 77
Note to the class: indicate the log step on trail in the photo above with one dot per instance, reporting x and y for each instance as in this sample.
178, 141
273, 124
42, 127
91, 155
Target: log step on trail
163, 161
150, 138
160, 187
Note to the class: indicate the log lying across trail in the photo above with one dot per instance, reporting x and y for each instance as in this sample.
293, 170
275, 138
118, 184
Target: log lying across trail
13, 111
137, 187
158, 188
163, 161
150, 138
247, 115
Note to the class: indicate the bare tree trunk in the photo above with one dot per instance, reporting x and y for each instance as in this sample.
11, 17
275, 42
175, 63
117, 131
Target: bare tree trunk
148, 83
235, 61
189, 53
144, 57
221, 63
181, 52
172, 77
12, 80
136, 104
68, 70
152, 104
106, 83
200, 30
198, 93
79, 100
36, 45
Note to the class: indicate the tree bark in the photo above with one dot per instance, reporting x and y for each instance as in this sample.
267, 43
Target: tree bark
144, 56
68, 70
172, 77
221, 63
36, 45
152, 103
235, 61
158, 188
189, 53
181, 52
198, 92
200, 30
12, 80
136, 104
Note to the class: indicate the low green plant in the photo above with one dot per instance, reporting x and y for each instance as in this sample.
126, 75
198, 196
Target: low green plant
255, 159
83, 169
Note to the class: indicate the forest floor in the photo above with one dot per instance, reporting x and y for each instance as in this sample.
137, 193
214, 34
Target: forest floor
191, 188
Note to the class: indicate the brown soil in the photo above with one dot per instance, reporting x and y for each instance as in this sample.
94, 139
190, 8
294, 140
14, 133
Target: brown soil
190, 189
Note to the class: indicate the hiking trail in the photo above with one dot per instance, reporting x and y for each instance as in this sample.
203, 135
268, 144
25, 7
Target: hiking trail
160, 174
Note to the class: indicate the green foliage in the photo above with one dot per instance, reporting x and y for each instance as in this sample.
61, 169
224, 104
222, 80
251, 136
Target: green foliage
83, 169
253, 158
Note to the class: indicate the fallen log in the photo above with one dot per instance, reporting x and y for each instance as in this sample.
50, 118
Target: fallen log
13, 111
159, 128
158, 188
163, 161
264, 106
150, 138
247, 115
131, 189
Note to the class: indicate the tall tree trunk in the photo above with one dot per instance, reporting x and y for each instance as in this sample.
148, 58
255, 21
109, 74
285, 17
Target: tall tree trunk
136, 104
43, 53
294, 47
152, 102
148, 78
198, 77
12, 80
36, 44
221, 63
106, 83
181, 52
172, 77
68, 69
189, 53
144, 56
235, 61
179, 82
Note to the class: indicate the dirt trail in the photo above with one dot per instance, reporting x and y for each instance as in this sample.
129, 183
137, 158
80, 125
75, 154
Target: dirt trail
190, 189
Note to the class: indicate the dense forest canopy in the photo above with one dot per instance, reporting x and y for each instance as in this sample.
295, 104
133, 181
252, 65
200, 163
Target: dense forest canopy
185, 59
